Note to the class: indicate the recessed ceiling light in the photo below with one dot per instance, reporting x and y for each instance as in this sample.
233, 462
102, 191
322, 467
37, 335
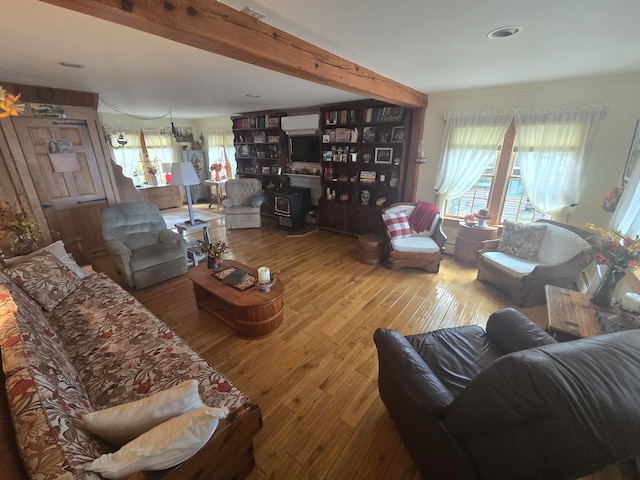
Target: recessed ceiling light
252, 13
504, 32
71, 65
252, 95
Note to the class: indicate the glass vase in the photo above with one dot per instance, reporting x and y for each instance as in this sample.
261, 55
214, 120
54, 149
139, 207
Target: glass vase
604, 292
23, 245
213, 263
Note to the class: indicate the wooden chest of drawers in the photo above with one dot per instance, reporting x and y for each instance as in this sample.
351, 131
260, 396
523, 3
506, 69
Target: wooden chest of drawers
166, 196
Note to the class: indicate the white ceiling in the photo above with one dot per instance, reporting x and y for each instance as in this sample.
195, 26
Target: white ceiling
430, 45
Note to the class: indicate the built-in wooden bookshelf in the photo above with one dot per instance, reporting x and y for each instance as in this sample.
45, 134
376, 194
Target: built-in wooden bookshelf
261, 147
363, 164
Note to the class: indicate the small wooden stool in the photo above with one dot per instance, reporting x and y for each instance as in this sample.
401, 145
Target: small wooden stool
370, 248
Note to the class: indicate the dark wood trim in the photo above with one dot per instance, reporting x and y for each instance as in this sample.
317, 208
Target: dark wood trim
55, 96
501, 175
220, 29
416, 133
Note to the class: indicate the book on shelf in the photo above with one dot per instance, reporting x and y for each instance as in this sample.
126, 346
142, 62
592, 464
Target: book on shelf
384, 114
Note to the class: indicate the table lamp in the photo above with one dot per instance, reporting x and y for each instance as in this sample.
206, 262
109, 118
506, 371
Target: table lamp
184, 174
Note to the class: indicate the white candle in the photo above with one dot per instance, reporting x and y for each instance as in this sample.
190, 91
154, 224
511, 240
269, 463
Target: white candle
264, 275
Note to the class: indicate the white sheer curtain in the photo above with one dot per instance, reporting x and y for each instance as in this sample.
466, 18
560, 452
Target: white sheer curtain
221, 149
471, 141
129, 156
553, 145
626, 218
161, 149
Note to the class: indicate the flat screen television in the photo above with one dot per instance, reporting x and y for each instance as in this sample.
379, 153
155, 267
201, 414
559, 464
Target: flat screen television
305, 148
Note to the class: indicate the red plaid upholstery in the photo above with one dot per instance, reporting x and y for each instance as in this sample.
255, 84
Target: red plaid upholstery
397, 224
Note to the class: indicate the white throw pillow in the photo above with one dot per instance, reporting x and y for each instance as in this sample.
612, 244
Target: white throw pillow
57, 250
121, 424
164, 446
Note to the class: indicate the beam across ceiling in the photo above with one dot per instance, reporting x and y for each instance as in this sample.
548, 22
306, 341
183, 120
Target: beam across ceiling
218, 28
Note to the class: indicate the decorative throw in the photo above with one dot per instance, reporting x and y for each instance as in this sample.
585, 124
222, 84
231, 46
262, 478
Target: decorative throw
422, 216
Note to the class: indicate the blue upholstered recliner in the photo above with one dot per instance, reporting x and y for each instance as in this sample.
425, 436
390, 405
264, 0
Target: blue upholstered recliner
144, 251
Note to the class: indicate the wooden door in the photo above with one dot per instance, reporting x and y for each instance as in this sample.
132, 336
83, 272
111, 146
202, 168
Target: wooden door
72, 201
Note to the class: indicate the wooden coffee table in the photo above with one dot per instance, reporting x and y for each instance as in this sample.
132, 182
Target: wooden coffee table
571, 314
253, 313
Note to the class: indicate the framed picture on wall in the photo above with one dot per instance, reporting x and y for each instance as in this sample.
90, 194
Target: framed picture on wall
634, 155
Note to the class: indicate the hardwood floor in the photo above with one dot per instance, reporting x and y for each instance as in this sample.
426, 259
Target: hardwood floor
315, 378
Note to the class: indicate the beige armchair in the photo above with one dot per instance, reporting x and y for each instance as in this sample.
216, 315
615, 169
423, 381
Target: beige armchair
546, 253
144, 251
242, 207
421, 250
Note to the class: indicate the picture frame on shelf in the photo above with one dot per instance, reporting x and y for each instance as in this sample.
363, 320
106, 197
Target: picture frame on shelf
397, 135
369, 135
266, 170
383, 155
367, 176
275, 170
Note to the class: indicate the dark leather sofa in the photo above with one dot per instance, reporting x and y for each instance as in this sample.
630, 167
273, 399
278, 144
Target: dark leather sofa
510, 402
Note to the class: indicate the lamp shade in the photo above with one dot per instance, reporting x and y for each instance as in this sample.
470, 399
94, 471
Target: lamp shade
184, 174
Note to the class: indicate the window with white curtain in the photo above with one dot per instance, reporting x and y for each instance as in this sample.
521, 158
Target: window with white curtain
221, 150
129, 156
626, 218
161, 150
531, 173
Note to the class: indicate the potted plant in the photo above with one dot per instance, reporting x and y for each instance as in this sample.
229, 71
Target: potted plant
19, 224
213, 251
617, 252
483, 215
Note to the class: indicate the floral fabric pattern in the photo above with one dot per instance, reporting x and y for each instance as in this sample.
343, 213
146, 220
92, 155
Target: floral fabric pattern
44, 407
26, 338
45, 279
522, 240
123, 353
98, 348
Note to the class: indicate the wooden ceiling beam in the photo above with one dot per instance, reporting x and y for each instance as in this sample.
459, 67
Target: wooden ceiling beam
218, 28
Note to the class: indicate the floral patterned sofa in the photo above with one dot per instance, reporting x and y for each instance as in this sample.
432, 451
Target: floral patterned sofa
98, 348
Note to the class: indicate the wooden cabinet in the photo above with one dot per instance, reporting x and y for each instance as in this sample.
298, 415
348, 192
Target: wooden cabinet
167, 196
261, 147
364, 157
469, 241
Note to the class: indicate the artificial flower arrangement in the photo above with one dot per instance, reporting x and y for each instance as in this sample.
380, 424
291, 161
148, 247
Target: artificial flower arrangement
484, 214
614, 250
470, 219
14, 221
149, 166
9, 106
213, 250
611, 199
217, 168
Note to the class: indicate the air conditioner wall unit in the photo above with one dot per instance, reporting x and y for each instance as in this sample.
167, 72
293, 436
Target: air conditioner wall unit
301, 124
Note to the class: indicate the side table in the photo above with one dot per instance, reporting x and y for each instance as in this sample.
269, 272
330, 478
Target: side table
215, 184
370, 248
187, 227
469, 241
